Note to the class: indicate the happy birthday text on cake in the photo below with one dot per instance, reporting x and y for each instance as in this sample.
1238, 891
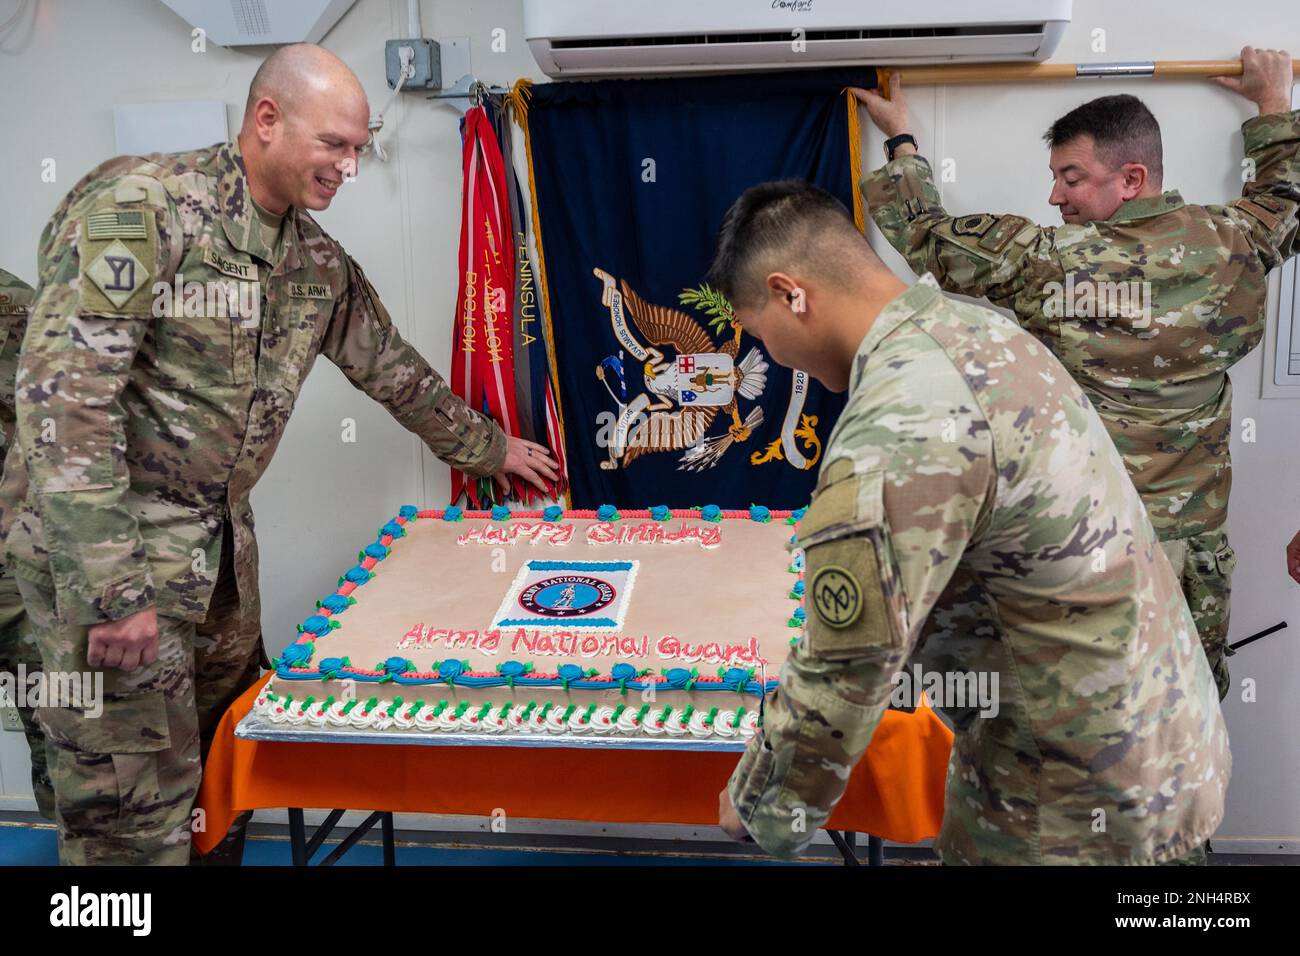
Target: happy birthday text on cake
601, 533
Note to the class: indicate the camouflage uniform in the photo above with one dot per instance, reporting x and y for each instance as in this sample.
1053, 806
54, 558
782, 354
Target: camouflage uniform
972, 515
1157, 374
144, 420
17, 647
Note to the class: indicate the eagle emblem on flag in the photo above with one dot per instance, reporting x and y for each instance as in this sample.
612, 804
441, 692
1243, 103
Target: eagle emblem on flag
689, 380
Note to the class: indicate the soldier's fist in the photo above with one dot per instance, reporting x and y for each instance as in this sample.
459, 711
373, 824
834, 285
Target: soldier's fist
1266, 79
127, 645
729, 820
891, 116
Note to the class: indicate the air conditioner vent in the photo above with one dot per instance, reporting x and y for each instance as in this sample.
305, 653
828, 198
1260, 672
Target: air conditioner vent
588, 43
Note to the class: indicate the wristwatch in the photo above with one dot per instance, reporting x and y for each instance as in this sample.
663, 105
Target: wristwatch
894, 142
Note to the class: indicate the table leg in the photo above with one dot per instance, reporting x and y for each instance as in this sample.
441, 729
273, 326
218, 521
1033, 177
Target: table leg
297, 837
322, 833
390, 848
351, 839
875, 851
845, 848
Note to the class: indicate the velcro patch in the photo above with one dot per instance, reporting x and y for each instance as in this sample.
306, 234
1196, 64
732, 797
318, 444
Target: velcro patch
848, 565
848, 612
116, 224
230, 267
310, 290
1257, 209
117, 272
11, 304
972, 225
999, 237
130, 193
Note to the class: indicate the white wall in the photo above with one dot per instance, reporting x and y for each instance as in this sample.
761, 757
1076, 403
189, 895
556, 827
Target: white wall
322, 498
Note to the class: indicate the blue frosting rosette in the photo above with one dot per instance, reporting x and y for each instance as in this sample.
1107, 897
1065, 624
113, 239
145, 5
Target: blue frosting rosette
296, 655
735, 678
317, 625
679, 678
511, 670
330, 666
395, 666
571, 672
336, 603
622, 673
449, 670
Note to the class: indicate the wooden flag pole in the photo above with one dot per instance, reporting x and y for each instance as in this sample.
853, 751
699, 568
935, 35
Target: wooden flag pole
1012, 72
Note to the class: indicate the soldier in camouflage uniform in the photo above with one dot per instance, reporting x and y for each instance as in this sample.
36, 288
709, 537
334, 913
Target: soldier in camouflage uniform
1146, 299
967, 471
17, 646
182, 300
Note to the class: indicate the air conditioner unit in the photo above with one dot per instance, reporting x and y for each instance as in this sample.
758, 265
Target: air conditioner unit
571, 38
257, 22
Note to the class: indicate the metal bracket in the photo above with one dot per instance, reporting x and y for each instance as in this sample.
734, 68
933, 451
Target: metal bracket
1109, 70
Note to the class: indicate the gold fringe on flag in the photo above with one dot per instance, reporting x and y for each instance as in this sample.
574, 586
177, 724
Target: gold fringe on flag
517, 101
855, 161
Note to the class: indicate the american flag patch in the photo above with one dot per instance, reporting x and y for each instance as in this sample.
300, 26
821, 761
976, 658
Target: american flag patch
126, 224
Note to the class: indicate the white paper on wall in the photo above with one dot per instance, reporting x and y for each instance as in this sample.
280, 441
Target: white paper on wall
141, 128
1282, 354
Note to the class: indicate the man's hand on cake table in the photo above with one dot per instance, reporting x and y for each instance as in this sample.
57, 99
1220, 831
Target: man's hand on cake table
530, 461
729, 820
127, 645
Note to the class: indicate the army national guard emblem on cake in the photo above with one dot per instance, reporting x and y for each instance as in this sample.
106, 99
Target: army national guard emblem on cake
569, 594
553, 624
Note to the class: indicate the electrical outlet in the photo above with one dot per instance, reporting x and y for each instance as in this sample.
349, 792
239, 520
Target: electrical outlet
9, 719
426, 62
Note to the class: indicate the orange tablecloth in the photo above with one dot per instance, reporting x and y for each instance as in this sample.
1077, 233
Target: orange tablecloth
896, 791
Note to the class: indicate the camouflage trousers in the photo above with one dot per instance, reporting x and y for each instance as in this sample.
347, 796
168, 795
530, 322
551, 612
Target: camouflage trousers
1204, 565
18, 648
125, 780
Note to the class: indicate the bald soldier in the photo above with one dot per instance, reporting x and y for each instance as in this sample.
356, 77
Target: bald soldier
966, 470
1146, 299
182, 300
19, 655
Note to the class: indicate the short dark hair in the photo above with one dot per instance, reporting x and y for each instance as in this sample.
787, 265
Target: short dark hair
774, 225
1121, 126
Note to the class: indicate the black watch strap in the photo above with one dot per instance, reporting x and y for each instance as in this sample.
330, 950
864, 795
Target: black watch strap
894, 142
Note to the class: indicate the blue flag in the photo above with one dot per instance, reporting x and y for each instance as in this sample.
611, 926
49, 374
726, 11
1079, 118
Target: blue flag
663, 398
